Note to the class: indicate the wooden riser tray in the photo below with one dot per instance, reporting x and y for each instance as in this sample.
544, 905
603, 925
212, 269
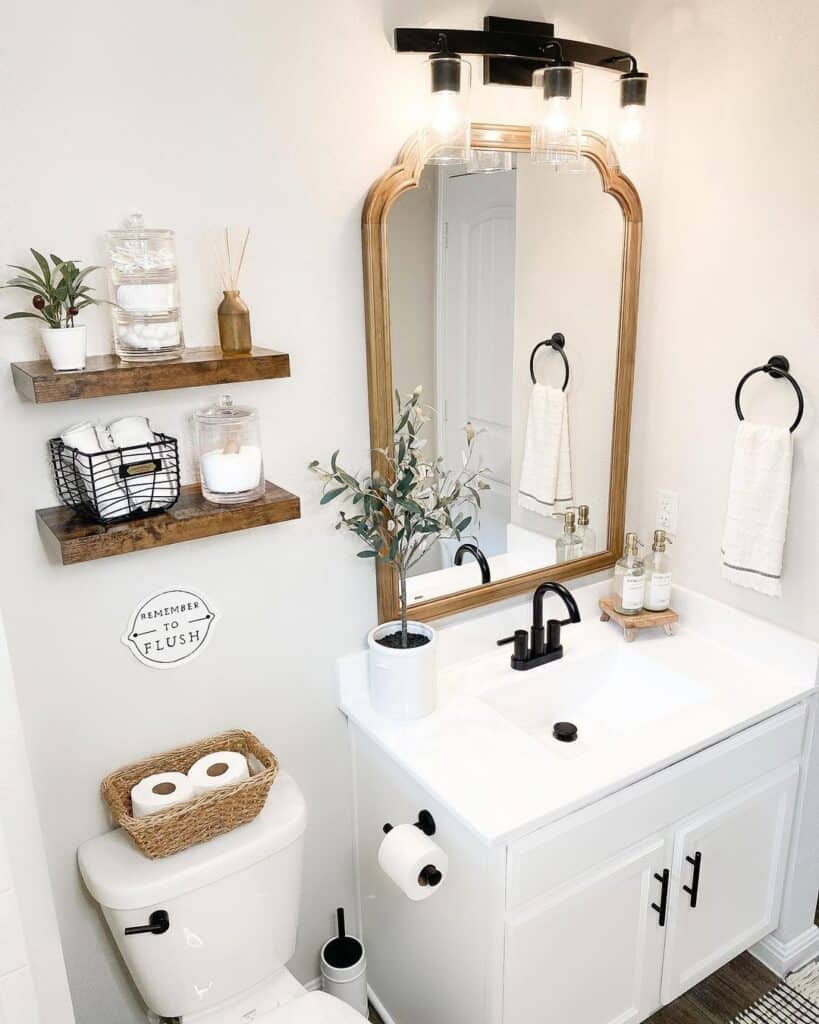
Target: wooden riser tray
191, 518
643, 620
108, 375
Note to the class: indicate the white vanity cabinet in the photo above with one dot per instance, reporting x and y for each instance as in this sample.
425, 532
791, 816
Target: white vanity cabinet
600, 917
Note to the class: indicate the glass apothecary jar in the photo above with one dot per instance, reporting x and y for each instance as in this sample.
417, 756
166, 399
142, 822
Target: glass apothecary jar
145, 292
230, 452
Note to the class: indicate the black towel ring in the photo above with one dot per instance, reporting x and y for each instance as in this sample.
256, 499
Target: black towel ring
776, 367
556, 343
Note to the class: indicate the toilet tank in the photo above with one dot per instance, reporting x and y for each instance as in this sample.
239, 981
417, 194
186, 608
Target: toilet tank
232, 905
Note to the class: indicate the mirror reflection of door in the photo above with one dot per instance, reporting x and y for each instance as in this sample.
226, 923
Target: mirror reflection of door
475, 306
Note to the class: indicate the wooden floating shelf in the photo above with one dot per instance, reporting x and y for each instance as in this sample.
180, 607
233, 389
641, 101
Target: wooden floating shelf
109, 375
191, 518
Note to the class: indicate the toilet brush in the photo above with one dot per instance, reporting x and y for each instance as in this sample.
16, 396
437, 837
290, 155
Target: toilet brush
343, 968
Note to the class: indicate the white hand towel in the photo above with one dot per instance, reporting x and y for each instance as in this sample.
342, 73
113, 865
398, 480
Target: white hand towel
757, 517
546, 472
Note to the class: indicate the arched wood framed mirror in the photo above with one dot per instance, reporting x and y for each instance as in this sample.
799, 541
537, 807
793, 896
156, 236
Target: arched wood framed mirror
465, 273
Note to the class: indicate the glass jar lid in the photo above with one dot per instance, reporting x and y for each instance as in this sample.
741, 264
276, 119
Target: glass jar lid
224, 411
135, 229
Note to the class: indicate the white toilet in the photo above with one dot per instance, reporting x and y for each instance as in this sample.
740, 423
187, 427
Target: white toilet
225, 917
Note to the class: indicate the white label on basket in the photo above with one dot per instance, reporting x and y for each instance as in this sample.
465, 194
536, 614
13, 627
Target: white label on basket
170, 628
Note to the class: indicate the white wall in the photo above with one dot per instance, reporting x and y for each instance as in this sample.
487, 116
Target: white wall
33, 985
201, 113
729, 273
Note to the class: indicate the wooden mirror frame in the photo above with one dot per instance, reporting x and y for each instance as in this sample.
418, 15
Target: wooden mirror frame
405, 174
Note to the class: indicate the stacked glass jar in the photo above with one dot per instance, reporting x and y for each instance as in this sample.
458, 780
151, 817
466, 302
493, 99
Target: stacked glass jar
145, 292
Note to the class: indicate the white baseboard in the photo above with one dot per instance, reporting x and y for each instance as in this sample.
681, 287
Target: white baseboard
379, 1007
784, 957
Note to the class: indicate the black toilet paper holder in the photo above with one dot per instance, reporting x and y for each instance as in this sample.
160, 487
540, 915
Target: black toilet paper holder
426, 823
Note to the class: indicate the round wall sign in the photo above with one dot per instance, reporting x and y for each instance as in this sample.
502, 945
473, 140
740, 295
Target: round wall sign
170, 627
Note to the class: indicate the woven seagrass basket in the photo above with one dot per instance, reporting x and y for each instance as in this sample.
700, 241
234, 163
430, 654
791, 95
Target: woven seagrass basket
209, 815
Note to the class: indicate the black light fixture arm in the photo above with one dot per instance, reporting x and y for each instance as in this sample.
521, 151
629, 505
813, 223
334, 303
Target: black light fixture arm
512, 48
619, 57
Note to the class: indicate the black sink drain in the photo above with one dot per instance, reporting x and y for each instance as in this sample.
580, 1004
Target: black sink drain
564, 732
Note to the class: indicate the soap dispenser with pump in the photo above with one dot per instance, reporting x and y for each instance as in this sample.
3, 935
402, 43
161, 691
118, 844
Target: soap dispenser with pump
586, 534
569, 544
658, 574
629, 579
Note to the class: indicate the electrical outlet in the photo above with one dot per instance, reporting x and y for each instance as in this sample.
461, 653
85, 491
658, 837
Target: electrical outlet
668, 510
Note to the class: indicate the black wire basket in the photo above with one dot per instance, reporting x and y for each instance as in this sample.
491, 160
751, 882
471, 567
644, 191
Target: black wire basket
120, 484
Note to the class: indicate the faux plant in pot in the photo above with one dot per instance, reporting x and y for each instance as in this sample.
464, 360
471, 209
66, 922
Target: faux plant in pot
399, 512
58, 292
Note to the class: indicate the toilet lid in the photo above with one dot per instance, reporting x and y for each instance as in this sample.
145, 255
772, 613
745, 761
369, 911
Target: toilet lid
313, 1008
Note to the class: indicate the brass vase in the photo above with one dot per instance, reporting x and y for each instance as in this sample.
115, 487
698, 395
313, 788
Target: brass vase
234, 324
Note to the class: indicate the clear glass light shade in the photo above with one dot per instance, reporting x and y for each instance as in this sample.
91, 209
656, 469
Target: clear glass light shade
627, 115
490, 161
447, 128
557, 102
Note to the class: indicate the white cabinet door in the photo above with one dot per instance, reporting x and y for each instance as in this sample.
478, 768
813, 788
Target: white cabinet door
590, 952
727, 876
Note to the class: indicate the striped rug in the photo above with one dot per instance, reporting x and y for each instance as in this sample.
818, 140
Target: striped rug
795, 1001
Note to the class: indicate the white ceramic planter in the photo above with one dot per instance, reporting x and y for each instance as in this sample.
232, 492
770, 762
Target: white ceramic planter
402, 682
65, 346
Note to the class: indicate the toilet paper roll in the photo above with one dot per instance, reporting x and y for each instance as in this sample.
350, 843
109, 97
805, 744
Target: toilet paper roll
406, 854
159, 792
217, 770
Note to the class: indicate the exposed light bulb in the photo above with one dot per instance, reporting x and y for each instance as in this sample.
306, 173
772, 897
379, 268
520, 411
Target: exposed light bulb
557, 118
446, 115
630, 127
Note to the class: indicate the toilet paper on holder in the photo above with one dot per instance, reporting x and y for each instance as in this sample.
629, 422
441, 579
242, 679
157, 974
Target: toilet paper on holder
408, 856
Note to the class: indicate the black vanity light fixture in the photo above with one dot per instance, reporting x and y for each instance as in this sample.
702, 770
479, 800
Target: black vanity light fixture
528, 54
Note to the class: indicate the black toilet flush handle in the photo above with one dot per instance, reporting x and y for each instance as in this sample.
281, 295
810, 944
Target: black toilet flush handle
158, 924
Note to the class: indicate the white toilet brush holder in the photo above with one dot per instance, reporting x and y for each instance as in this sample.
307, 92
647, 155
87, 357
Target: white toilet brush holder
344, 969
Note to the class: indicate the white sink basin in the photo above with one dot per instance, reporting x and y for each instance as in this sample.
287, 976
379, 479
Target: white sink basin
605, 695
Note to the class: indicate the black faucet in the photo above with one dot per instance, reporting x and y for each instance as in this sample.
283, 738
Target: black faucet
544, 645
480, 558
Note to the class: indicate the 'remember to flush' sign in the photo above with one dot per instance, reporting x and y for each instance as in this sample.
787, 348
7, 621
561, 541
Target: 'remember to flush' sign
170, 628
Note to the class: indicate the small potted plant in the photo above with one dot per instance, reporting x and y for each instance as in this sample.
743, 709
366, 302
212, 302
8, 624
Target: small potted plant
399, 512
58, 295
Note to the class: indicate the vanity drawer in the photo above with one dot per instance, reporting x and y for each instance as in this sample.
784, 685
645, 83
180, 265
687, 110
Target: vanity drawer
556, 853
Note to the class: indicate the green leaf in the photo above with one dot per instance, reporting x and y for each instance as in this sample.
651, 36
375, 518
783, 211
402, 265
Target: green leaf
82, 275
367, 554
333, 458
330, 495
42, 263
22, 316
29, 271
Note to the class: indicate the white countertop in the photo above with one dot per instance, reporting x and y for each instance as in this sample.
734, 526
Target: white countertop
501, 781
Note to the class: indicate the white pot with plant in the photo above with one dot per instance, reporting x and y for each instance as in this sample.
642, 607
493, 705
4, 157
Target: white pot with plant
399, 511
58, 295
